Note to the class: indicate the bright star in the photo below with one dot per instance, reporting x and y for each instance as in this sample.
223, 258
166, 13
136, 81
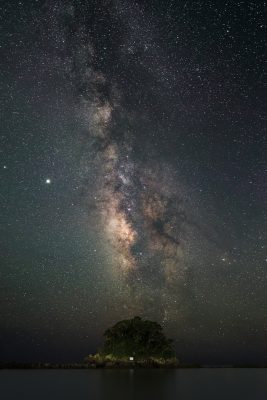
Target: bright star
48, 181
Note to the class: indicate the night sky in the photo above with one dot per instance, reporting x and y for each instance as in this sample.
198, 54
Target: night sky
133, 176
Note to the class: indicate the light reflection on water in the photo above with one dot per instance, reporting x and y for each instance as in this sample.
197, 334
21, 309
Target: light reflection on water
188, 384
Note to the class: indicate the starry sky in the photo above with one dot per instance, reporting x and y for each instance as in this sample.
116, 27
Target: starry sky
133, 176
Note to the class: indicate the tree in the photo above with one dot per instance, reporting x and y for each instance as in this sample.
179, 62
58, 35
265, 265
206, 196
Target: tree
138, 338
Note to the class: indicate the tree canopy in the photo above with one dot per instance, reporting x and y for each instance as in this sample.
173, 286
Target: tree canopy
138, 338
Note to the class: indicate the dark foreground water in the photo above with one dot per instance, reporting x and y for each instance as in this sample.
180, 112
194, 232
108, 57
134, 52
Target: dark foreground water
206, 384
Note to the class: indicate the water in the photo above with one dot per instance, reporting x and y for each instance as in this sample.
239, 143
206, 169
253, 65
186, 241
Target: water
188, 384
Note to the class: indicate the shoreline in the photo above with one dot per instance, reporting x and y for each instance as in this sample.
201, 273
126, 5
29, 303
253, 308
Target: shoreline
65, 366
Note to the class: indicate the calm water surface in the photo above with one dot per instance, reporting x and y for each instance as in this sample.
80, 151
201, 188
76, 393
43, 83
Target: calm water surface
206, 384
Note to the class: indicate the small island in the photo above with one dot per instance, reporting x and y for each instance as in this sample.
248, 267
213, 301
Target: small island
134, 343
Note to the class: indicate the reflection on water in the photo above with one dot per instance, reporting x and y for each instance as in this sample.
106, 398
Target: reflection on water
190, 384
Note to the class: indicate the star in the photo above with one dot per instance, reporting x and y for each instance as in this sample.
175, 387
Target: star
48, 181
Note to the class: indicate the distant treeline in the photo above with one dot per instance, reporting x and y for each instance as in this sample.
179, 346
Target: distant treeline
16, 365
41, 365
108, 365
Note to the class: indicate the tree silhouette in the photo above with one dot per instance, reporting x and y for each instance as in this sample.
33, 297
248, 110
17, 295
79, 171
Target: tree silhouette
138, 338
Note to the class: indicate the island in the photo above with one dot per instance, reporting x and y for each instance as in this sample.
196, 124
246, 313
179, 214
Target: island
131, 343
134, 343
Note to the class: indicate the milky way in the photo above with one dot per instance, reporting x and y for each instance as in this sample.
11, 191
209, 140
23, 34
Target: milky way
133, 175
145, 214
